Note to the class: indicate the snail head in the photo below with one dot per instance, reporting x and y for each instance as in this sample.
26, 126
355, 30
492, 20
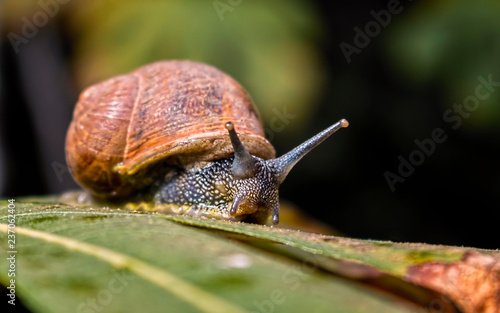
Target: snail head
259, 179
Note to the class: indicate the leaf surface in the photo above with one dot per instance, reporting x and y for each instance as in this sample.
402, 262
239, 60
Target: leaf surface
82, 259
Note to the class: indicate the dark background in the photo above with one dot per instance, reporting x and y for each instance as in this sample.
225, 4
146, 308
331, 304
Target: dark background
393, 92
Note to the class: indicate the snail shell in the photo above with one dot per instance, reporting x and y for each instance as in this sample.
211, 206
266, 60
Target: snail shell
128, 130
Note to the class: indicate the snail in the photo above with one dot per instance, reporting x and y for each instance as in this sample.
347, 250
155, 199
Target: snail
183, 136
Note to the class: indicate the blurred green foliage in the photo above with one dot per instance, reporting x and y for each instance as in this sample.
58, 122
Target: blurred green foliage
450, 43
265, 44
260, 43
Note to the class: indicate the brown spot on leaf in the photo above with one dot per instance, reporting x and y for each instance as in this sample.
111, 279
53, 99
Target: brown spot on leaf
473, 283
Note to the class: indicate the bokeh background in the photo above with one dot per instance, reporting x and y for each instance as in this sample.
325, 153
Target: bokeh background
394, 89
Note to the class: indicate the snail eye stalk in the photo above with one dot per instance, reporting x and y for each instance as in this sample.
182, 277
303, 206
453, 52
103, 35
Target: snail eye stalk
244, 165
286, 162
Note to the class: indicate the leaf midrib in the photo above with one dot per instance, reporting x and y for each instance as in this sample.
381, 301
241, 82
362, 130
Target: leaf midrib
195, 296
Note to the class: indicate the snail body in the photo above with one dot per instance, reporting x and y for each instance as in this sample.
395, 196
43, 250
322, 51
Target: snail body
184, 133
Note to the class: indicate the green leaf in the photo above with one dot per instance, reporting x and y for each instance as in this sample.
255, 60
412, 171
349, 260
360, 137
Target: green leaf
453, 272
389, 257
83, 259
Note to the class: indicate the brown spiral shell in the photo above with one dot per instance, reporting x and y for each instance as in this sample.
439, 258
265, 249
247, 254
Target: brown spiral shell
127, 130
